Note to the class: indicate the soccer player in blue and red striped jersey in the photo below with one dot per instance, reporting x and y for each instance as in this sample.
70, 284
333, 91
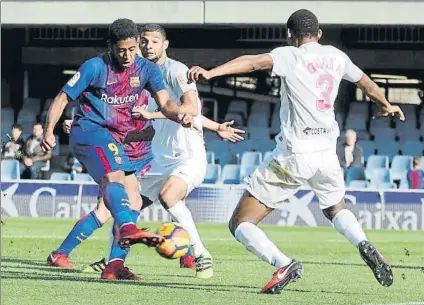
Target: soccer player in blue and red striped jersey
107, 88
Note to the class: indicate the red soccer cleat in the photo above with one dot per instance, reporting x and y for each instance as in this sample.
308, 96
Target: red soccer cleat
282, 277
59, 260
117, 271
187, 261
130, 235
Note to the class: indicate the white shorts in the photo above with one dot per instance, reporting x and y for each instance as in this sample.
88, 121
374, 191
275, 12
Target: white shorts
282, 174
192, 172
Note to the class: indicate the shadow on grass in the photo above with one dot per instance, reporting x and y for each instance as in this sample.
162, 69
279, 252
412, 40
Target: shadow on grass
190, 286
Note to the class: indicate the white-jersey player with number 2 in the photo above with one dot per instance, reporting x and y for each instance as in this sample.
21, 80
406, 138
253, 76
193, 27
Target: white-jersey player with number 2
306, 146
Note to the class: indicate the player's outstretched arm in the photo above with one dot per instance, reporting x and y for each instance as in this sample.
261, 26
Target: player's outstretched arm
53, 116
224, 130
239, 65
171, 110
371, 89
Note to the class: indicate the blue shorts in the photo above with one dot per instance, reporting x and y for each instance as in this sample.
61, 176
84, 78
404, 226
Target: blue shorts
98, 151
140, 165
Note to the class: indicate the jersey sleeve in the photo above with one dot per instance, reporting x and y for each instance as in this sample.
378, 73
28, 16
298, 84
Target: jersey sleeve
155, 79
179, 82
351, 72
280, 61
81, 80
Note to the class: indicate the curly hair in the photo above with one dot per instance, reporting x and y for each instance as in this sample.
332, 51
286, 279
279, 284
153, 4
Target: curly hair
122, 29
152, 27
303, 23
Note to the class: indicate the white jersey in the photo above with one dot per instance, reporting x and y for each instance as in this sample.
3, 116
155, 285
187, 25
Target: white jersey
173, 143
310, 78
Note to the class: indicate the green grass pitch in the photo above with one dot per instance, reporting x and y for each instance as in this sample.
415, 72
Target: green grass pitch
333, 271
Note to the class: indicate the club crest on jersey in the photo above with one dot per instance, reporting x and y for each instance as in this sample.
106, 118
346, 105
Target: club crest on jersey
74, 79
118, 160
134, 81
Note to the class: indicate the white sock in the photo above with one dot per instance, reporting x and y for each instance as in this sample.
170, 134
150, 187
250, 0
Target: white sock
347, 224
183, 216
256, 241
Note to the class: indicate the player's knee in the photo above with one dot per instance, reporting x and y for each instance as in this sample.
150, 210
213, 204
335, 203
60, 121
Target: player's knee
332, 211
170, 196
101, 212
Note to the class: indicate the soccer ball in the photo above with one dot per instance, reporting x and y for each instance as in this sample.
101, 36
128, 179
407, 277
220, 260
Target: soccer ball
176, 242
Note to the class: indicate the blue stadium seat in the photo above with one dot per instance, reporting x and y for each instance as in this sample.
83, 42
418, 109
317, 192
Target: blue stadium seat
358, 184
238, 106
237, 117
383, 133
368, 148
386, 185
379, 176
10, 170
210, 156
388, 148
231, 174
60, 176
249, 159
354, 173
374, 162
213, 174
261, 107
83, 177
412, 148
259, 133
422, 161
258, 120
400, 165
275, 120
404, 185
247, 172
356, 121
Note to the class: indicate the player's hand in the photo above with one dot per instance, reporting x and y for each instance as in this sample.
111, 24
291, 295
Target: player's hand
198, 73
140, 113
66, 125
393, 111
226, 132
28, 162
186, 120
48, 142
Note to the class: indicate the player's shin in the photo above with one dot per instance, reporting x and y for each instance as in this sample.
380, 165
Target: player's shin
80, 232
116, 251
116, 200
183, 216
347, 225
256, 241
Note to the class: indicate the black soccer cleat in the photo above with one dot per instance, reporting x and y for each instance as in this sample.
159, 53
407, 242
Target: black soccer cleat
282, 277
377, 262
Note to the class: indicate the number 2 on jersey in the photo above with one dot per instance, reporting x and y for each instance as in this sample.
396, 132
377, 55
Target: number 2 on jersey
326, 83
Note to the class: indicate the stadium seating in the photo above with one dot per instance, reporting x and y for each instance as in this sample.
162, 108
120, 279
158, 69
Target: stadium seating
400, 165
412, 148
210, 156
275, 120
237, 117
261, 107
238, 106
388, 148
386, 185
247, 172
267, 155
258, 120
358, 184
249, 159
375, 162
354, 173
259, 133
60, 176
379, 176
213, 173
368, 148
231, 174
7, 119
82, 177
10, 170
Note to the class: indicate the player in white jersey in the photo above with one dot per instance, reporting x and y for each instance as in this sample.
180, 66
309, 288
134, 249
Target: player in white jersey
306, 147
179, 157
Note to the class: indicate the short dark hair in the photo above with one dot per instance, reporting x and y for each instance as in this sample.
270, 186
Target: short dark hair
153, 27
303, 23
416, 161
37, 123
122, 29
17, 126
